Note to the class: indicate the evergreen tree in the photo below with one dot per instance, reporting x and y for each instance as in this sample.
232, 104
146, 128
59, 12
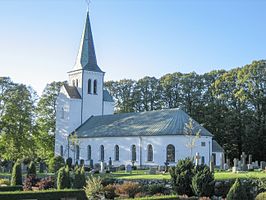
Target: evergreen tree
237, 192
32, 169
16, 176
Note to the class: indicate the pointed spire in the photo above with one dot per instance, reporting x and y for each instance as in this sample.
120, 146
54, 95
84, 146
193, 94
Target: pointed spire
86, 58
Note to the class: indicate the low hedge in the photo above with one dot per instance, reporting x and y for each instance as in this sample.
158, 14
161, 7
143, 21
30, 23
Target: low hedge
261, 196
11, 188
44, 195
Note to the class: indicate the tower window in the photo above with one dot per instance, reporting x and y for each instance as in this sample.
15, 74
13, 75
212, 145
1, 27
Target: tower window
89, 86
61, 151
95, 87
77, 82
89, 152
102, 153
133, 153
116, 152
77, 152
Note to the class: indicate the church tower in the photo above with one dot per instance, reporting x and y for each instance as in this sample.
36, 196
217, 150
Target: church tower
87, 76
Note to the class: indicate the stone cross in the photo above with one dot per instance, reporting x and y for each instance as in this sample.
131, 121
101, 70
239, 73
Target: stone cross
222, 162
102, 167
243, 161
197, 158
249, 159
235, 167
235, 162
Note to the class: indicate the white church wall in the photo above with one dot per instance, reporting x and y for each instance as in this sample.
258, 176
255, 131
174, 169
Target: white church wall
159, 144
218, 156
108, 108
67, 119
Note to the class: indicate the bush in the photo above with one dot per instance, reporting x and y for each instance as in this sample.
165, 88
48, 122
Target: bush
108, 181
44, 195
16, 177
32, 169
109, 191
237, 192
46, 183
155, 189
4, 182
63, 178
261, 196
262, 185
203, 181
94, 187
69, 162
181, 177
79, 178
56, 163
129, 188
11, 188
30, 182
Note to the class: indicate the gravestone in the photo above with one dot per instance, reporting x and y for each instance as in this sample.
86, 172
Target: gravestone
250, 166
152, 170
128, 169
91, 163
226, 167
102, 167
249, 159
262, 165
222, 162
212, 163
243, 162
256, 165
197, 159
235, 167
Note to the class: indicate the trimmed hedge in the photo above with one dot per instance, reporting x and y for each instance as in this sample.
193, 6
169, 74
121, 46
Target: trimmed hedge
44, 195
11, 188
261, 196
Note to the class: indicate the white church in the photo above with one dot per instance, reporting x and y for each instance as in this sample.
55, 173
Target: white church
84, 108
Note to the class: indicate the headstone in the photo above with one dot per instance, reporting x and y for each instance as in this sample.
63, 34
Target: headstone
262, 165
250, 166
249, 159
222, 162
110, 163
235, 167
102, 167
243, 162
128, 169
91, 163
197, 159
212, 163
152, 171
226, 167
256, 165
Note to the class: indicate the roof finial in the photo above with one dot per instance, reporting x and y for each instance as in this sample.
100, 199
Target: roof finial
88, 4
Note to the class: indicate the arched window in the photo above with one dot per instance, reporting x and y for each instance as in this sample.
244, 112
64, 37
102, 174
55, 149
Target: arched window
73, 82
133, 153
116, 152
89, 86
77, 152
62, 113
95, 87
150, 153
170, 153
102, 153
77, 82
61, 150
89, 152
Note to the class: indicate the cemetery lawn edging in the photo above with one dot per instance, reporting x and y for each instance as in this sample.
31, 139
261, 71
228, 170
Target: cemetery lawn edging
44, 195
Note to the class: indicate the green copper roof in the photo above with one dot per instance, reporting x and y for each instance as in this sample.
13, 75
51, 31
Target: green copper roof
152, 123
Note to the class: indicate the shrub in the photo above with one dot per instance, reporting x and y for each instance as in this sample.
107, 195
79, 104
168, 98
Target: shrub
94, 187
134, 167
69, 162
32, 169
79, 178
156, 189
29, 182
4, 182
129, 188
109, 191
262, 185
46, 183
237, 192
181, 177
203, 181
56, 163
16, 177
63, 178
108, 181
261, 196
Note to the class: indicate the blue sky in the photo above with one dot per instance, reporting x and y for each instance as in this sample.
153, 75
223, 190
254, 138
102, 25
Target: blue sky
39, 40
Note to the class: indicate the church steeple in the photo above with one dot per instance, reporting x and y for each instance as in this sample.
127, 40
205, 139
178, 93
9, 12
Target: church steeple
86, 58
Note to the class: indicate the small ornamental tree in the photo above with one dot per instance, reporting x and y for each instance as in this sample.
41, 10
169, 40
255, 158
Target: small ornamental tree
16, 178
79, 178
237, 192
32, 169
181, 177
203, 181
56, 163
63, 178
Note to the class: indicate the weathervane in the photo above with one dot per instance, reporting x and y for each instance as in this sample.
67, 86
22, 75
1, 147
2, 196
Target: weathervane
88, 3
